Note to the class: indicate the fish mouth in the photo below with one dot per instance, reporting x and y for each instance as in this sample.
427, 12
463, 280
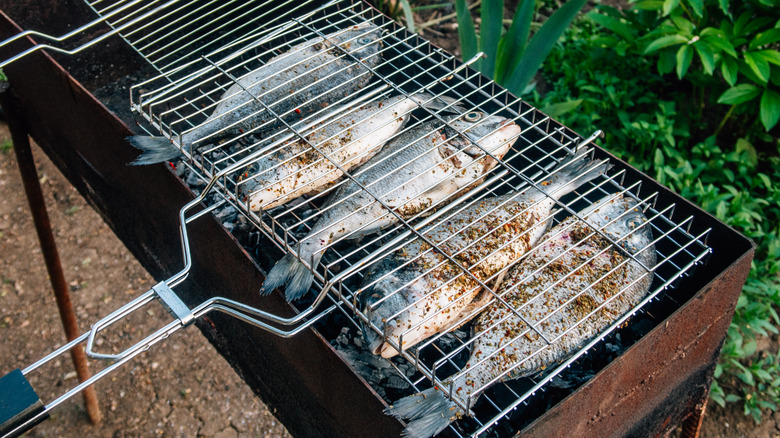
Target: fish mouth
376, 343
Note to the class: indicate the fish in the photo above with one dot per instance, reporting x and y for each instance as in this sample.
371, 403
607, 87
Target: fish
297, 168
304, 79
420, 168
571, 288
417, 292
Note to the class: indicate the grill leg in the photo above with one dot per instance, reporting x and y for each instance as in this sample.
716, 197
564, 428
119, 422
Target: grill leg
691, 426
24, 157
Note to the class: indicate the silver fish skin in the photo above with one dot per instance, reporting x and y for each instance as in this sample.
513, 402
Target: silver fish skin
420, 168
432, 294
574, 274
297, 168
287, 84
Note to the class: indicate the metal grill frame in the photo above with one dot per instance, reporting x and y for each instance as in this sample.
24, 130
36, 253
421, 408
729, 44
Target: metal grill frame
670, 216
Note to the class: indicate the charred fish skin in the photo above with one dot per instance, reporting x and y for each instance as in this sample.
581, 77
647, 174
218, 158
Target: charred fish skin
422, 167
430, 293
299, 168
306, 78
577, 273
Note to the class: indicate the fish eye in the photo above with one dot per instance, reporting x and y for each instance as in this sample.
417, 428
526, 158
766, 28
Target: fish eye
634, 222
364, 40
473, 116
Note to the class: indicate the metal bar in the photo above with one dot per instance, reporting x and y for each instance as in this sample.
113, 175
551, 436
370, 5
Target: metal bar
32, 188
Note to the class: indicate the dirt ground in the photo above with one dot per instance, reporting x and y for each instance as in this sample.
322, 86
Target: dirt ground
180, 387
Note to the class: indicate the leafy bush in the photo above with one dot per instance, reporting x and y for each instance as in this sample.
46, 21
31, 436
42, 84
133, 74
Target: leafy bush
661, 103
512, 59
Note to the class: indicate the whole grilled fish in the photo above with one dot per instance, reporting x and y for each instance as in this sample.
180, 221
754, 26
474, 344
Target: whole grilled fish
430, 293
571, 287
293, 84
420, 168
297, 168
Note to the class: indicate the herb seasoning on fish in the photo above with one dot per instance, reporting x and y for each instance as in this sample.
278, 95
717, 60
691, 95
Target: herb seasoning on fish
422, 167
414, 294
297, 169
294, 84
570, 288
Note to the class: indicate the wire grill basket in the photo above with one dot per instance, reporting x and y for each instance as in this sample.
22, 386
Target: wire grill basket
203, 48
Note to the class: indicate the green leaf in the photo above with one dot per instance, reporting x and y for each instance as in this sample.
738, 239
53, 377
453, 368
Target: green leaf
466, 32
683, 25
612, 24
512, 45
706, 56
649, 5
716, 40
670, 5
759, 65
770, 108
408, 15
490, 32
767, 37
560, 108
541, 44
724, 6
739, 94
665, 41
697, 6
771, 56
684, 58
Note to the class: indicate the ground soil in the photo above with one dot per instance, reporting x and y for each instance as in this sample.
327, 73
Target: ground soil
181, 387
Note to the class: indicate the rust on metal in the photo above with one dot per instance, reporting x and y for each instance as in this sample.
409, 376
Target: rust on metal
648, 390
32, 189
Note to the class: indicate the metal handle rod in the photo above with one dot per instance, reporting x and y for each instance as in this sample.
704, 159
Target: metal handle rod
32, 188
76, 31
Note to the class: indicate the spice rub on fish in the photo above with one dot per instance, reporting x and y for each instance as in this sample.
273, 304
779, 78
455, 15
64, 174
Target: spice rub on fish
298, 168
417, 292
422, 167
570, 288
296, 83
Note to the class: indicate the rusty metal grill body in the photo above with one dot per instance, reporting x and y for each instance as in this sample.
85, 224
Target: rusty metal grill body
199, 49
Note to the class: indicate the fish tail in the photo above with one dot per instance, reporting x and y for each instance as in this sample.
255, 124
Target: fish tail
291, 273
429, 413
572, 172
154, 149
438, 103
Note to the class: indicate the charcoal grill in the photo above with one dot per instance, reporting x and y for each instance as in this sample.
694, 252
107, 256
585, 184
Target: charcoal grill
186, 54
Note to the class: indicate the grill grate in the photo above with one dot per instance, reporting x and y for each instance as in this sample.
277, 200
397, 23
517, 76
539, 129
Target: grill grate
202, 48
180, 98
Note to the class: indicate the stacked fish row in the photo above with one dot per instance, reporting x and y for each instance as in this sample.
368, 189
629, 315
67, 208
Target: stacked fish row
307, 125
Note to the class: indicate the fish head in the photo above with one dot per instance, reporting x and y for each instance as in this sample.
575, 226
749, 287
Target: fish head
486, 133
623, 221
392, 304
363, 41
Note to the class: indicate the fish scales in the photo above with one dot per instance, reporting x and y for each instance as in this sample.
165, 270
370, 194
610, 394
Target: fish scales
571, 287
298, 167
422, 167
303, 80
432, 294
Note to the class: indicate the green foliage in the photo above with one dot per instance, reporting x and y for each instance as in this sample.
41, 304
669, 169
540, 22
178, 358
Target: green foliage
6, 146
512, 60
734, 40
395, 9
658, 103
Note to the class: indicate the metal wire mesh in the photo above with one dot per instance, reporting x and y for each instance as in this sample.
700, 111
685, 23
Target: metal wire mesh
203, 48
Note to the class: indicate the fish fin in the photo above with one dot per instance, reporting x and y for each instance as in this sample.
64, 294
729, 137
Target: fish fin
438, 103
155, 149
572, 172
429, 411
291, 273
